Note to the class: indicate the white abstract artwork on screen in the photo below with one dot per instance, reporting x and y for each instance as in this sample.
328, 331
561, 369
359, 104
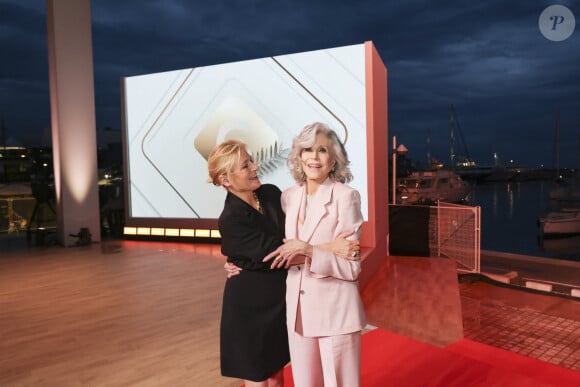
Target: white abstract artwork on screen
174, 119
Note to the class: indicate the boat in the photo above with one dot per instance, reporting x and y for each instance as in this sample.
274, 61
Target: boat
430, 187
560, 223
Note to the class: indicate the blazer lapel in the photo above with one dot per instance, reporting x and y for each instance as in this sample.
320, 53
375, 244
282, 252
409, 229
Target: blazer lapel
316, 210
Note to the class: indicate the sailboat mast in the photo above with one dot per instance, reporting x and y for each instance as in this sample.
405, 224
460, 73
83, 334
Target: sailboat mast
452, 138
557, 145
3, 133
429, 162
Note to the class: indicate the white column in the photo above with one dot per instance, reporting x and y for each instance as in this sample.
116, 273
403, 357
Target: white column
72, 102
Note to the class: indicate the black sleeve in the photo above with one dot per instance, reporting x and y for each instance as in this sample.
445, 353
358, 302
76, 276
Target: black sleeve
247, 238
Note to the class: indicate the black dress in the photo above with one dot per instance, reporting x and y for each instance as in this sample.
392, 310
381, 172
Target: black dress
253, 333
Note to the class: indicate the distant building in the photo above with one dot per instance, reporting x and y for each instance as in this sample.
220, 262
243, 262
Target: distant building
14, 164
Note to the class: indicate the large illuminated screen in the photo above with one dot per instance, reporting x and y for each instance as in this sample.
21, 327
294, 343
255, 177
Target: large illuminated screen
173, 120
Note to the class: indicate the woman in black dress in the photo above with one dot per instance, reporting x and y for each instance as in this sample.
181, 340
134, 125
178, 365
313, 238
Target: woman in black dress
253, 336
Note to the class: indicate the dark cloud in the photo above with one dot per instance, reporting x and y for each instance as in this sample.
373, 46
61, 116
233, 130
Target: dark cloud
488, 59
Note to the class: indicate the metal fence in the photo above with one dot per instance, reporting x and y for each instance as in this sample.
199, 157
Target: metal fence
457, 234
446, 230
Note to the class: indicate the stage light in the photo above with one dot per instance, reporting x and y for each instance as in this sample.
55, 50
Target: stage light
156, 231
84, 237
172, 232
202, 233
184, 232
143, 231
130, 230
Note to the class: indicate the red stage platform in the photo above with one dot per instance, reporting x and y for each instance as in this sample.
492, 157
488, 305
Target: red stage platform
389, 359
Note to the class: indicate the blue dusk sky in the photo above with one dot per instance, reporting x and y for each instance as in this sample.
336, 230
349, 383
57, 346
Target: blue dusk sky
506, 76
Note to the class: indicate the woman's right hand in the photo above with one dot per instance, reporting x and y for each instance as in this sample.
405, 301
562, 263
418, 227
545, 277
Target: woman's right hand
232, 269
291, 252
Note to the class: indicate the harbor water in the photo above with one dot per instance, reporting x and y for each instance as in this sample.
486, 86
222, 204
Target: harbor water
509, 219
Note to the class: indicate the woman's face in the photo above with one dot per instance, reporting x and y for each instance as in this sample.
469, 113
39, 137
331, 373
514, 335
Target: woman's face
244, 177
317, 161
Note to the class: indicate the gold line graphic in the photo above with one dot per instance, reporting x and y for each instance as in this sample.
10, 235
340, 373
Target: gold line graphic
316, 99
149, 131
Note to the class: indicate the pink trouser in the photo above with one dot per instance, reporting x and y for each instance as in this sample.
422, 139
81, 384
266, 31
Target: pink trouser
329, 361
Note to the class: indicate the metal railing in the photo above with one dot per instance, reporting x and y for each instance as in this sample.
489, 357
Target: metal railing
446, 230
458, 235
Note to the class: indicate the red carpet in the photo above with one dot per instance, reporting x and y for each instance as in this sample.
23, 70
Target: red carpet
393, 360
509, 361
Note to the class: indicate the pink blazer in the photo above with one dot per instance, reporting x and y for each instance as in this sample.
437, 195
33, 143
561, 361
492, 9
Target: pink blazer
326, 287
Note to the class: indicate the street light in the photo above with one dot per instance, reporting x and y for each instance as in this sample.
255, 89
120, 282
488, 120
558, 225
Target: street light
400, 150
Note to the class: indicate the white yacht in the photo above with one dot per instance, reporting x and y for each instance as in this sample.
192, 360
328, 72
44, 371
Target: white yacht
429, 187
563, 222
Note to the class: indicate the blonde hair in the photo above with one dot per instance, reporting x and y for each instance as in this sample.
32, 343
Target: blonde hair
306, 139
223, 158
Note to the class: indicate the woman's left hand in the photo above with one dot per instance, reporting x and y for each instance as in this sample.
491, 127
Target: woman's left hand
344, 248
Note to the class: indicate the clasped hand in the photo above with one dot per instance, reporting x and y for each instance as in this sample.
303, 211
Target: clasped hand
295, 252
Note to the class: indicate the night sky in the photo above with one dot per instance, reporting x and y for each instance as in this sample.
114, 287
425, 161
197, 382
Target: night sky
489, 59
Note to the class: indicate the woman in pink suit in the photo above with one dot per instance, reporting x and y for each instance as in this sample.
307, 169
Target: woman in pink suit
324, 310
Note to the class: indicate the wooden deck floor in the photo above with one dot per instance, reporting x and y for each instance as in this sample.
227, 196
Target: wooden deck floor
116, 314
126, 313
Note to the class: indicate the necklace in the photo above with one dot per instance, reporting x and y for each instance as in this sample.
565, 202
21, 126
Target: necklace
258, 206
